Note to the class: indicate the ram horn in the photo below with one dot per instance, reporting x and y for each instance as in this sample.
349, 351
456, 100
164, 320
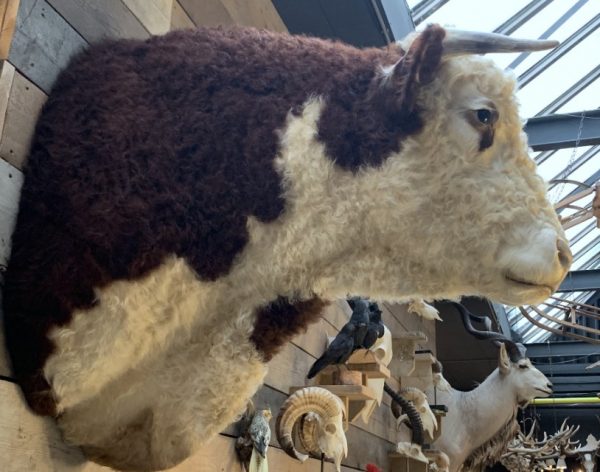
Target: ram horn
457, 42
313, 400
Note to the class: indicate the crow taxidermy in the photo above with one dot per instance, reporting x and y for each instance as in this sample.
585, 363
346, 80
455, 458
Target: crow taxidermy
375, 329
350, 338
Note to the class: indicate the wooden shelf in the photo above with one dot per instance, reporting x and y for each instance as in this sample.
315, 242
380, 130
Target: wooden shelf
372, 371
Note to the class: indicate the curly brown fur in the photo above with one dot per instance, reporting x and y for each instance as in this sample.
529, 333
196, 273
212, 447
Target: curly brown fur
281, 320
166, 146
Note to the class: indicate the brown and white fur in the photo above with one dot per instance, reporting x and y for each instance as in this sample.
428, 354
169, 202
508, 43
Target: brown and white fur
192, 201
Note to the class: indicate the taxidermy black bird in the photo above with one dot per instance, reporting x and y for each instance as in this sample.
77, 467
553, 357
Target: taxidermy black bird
375, 328
350, 338
253, 440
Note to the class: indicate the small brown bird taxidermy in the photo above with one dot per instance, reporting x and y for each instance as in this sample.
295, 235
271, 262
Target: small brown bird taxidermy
253, 440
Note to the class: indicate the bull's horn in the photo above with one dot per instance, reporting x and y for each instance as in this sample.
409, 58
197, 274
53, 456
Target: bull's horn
459, 42
310, 399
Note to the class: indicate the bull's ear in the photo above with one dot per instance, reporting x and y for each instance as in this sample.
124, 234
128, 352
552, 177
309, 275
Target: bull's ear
503, 360
417, 67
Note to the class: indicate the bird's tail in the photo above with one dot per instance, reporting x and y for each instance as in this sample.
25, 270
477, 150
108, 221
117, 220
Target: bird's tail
257, 462
317, 367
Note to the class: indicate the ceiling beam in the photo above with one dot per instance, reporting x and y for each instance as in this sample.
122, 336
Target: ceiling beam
562, 349
425, 9
581, 280
584, 379
550, 370
577, 388
564, 130
502, 319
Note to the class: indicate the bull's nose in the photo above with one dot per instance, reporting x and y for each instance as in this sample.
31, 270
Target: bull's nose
564, 253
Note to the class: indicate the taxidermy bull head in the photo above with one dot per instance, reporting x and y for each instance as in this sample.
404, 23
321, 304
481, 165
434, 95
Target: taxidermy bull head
190, 203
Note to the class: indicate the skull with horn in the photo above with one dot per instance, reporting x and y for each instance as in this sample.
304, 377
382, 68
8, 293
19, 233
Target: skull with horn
321, 428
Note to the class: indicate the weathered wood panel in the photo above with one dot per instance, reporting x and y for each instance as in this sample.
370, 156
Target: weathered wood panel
23, 105
33, 443
97, 20
8, 20
207, 13
258, 13
10, 187
43, 43
179, 18
7, 74
154, 15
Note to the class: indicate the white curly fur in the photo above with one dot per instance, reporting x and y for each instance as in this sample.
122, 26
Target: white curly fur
171, 358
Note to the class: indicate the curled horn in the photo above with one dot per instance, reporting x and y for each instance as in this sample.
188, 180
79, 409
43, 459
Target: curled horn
515, 350
307, 400
457, 42
411, 412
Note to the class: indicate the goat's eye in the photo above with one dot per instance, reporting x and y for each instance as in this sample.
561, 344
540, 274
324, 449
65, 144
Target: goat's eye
523, 366
484, 116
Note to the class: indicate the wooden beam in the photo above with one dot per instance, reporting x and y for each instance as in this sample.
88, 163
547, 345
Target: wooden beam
8, 19
154, 15
179, 18
96, 21
24, 104
258, 13
207, 13
7, 74
43, 43
10, 187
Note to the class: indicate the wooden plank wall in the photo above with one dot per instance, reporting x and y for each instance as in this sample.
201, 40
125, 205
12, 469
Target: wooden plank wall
37, 39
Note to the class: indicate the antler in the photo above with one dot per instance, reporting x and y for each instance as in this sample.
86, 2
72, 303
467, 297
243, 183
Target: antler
515, 350
551, 446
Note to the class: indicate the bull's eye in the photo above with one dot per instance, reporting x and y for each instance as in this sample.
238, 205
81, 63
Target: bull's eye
484, 116
523, 366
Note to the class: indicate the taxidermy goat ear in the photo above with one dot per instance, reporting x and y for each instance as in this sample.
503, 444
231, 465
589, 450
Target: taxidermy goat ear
503, 360
417, 67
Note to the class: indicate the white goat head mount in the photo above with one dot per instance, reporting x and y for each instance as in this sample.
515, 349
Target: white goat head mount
513, 364
321, 415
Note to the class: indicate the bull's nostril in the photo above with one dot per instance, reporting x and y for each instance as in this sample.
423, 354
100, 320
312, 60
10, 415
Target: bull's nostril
564, 253
550, 385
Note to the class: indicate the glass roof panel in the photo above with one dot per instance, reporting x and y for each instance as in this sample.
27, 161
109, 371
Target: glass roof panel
550, 16
558, 161
553, 81
470, 15
587, 99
